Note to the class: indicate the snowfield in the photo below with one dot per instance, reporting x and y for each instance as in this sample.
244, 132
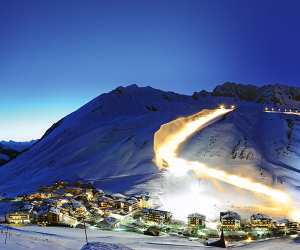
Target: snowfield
58, 238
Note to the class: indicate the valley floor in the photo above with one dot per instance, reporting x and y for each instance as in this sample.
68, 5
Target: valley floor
59, 238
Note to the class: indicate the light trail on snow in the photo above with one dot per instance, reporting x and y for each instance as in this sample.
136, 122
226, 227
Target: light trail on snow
169, 138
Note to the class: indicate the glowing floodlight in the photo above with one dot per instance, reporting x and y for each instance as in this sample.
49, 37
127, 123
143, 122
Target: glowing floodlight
222, 106
272, 109
233, 106
266, 108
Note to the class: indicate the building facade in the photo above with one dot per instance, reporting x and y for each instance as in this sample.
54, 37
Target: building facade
157, 216
261, 221
18, 218
230, 221
292, 227
196, 221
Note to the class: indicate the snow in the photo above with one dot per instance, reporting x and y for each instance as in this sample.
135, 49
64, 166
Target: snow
58, 238
103, 246
4, 157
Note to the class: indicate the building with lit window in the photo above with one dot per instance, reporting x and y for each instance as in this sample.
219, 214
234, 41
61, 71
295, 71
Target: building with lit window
143, 201
38, 196
18, 218
230, 221
54, 216
105, 202
196, 221
261, 221
292, 227
157, 216
130, 205
281, 225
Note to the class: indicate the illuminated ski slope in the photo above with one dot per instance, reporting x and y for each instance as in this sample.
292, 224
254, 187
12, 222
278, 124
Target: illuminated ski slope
170, 136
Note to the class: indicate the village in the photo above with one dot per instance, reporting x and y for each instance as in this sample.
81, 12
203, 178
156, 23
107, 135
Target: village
81, 205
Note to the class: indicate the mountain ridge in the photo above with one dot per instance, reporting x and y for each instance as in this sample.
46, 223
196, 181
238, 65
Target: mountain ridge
274, 94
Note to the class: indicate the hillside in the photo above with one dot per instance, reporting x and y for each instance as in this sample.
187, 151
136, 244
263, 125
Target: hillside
9, 150
109, 141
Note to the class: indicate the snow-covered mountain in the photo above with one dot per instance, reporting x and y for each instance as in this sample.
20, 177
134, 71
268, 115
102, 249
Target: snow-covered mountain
109, 141
9, 150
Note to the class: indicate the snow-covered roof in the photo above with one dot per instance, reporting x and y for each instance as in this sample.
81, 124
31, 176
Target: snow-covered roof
54, 210
76, 204
120, 196
28, 206
196, 215
105, 198
260, 217
131, 201
282, 221
133, 198
230, 215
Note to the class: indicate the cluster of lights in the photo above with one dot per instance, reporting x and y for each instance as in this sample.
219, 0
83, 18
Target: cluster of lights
279, 110
222, 106
249, 239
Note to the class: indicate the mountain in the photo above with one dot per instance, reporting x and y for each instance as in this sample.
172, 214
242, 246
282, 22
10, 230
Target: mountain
9, 150
279, 95
109, 141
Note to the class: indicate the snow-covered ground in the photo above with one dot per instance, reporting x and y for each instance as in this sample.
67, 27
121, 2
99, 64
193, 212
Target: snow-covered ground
58, 238
104, 246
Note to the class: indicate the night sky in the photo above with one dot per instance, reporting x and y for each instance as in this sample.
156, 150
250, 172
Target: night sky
57, 55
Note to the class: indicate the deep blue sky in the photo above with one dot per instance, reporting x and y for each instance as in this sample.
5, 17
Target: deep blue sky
57, 55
